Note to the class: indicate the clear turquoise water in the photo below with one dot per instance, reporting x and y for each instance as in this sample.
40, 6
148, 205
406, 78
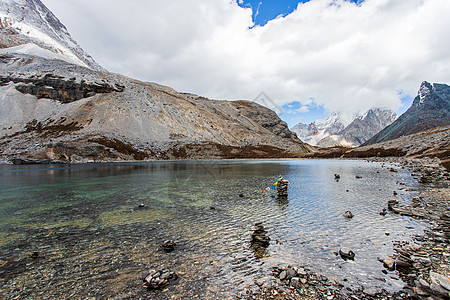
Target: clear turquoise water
94, 242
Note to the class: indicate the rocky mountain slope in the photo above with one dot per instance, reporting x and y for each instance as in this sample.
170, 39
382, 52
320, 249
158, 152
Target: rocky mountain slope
433, 142
28, 22
57, 104
345, 130
430, 109
50, 109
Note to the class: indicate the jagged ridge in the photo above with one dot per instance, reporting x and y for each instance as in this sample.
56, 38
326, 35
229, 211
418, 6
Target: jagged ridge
345, 130
430, 109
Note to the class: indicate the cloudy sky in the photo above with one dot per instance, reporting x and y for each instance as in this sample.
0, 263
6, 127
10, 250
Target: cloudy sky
315, 57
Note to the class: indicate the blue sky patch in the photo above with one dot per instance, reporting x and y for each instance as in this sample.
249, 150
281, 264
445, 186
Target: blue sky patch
266, 10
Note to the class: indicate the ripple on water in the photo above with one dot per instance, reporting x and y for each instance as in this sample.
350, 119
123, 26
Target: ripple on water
95, 242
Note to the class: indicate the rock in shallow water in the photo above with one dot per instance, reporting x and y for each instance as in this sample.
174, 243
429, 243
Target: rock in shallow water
348, 214
168, 245
158, 279
346, 254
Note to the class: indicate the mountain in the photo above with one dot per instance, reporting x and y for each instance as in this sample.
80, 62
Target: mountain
433, 144
430, 109
320, 129
30, 22
55, 105
345, 130
361, 129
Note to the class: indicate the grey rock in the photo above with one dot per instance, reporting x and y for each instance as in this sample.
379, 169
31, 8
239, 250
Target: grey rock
370, 291
302, 272
283, 275
439, 279
295, 282
346, 254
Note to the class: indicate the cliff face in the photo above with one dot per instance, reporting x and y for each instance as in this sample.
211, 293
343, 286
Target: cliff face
430, 109
50, 109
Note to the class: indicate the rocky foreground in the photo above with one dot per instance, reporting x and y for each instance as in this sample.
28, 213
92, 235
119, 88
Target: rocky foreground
424, 264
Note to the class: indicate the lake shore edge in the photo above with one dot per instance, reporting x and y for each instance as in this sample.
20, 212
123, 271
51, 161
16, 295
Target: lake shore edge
423, 264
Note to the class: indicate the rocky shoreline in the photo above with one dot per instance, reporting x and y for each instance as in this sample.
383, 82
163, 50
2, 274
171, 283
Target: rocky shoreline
423, 264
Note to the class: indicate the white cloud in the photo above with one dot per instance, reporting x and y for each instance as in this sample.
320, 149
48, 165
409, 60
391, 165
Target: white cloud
344, 56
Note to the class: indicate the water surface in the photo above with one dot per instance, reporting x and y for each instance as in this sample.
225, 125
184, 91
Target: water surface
93, 241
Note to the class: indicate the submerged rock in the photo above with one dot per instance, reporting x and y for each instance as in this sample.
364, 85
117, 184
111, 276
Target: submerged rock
168, 245
141, 206
260, 240
392, 203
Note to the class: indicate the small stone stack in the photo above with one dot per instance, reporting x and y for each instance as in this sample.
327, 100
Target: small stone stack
260, 240
158, 279
282, 187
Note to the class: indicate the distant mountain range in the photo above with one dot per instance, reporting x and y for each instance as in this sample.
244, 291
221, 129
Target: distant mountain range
344, 129
58, 104
430, 109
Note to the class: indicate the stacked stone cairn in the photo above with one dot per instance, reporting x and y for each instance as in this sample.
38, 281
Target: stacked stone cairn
260, 240
158, 279
282, 187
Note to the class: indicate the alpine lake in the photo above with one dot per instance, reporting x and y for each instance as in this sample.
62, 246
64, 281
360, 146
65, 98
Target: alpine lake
77, 231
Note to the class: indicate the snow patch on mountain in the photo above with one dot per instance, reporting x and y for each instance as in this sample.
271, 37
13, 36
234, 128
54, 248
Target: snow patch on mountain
35, 50
35, 23
323, 128
348, 130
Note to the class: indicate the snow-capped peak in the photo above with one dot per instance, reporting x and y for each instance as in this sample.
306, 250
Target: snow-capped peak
35, 23
328, 131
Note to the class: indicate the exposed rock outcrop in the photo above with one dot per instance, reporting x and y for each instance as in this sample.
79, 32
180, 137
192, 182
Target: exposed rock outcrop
56, 87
